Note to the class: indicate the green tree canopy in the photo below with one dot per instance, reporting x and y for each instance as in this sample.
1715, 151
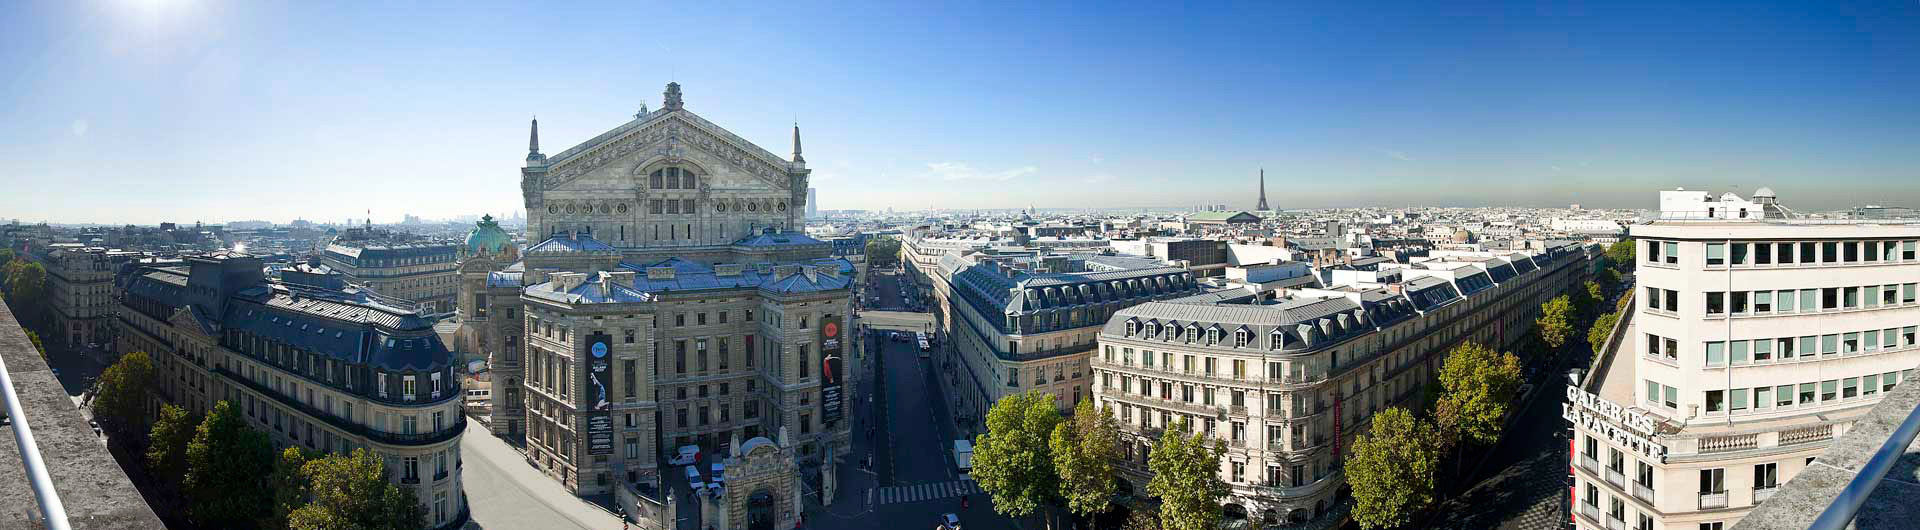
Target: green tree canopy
1621, 254
228, 467
6, 255
1084, 448
289, 484
351, 492
1594, 295
26, 285
167, 448
883, 250
1602, 328
1556, 321
1392, 469
1012, 460
1480, 384
121, 404
1186, 478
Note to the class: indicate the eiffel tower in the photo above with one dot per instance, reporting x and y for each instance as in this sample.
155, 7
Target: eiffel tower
1263, 191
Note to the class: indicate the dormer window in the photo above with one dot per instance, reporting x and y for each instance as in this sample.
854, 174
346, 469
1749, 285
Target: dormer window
1241, 337
407, 388
1153, 329
1213, 336
1278, 339
1133, 327
1193, 331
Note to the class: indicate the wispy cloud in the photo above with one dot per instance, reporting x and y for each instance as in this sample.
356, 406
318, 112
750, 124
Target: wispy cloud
1396, 155
1097, 159
1101, 178
962, 171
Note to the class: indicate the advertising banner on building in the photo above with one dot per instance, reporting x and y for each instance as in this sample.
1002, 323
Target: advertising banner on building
599, 433
599, 423
599, 345
832, 407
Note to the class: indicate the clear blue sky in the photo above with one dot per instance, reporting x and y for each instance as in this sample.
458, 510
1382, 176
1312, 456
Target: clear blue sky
179, 110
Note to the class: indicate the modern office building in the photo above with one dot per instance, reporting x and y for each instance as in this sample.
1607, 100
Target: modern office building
1756, 339
80, 293
309, 360
670, 300
416, 270
1287, 379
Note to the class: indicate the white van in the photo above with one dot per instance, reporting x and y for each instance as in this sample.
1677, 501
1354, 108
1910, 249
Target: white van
693, 479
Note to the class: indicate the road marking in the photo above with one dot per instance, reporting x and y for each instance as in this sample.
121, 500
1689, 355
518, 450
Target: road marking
927, 492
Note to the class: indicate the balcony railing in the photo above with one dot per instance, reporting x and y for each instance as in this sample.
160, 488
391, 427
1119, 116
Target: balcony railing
1588, 463
1591, 511
451, 430
1761, 495
1615, 523
1717, 499
1615, 478
1642, 491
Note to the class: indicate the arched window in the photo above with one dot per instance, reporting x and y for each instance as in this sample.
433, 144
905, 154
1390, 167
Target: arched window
657, 181
672, 178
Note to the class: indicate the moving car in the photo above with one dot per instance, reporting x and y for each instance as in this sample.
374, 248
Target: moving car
687, 456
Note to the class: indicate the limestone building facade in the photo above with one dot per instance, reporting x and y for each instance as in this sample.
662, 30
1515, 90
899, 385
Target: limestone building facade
670, 300
1287, 380
309, 360
80, 292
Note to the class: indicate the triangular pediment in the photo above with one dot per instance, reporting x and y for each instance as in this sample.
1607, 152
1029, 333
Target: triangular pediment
668, 134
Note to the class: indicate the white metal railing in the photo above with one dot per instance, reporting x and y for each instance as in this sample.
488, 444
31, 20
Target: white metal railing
1642, 491
1761, 495
50, 505
1716, 499
1615, 478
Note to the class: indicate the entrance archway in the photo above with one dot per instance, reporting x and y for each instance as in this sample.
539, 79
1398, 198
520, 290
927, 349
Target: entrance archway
760, 510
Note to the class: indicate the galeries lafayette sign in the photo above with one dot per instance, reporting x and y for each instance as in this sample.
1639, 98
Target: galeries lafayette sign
1618, 423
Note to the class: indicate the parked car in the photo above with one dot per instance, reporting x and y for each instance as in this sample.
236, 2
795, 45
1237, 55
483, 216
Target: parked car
719, 474
949, 522
687, 456
693, 479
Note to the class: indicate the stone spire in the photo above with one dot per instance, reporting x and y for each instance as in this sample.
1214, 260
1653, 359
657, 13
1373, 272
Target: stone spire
672, 97
1263, 191
796, 144
533, 145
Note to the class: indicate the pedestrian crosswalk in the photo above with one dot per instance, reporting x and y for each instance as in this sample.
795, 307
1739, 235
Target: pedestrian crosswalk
927, 492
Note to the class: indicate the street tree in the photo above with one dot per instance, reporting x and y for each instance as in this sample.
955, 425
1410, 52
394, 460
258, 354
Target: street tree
1621, 255
1012, 460
1602, 328
1186, 477
167, 442
1480, 384
26, 285
1392, 469
1556, 321
1594, 297
121, 402
289, 484
351, 492
1084, 448
883, 250
228, 467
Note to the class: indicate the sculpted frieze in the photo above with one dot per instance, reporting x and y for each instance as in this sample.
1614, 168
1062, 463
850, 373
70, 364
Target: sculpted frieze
673, 133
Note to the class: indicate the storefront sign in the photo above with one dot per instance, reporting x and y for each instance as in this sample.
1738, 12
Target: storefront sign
1624, 426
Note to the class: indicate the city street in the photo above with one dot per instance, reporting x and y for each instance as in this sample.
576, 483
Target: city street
503, 492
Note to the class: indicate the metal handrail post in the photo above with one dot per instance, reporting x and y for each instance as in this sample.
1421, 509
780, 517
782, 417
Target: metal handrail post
1839, 514
50, 505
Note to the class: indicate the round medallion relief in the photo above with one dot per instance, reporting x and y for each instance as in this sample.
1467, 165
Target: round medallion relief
622, 208
753, 207
553, 209
720, 206
569, 208
782, 206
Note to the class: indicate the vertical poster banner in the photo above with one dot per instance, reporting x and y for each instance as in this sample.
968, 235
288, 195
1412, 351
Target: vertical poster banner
599, 423
831, 405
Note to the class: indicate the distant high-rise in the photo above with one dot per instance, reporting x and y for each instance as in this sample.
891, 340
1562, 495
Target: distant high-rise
1263, 192
813, 203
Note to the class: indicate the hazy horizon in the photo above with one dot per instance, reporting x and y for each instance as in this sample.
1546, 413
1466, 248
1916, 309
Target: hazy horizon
182, 110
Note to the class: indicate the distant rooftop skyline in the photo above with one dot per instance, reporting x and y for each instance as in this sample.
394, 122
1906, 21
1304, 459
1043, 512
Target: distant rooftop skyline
142, 112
